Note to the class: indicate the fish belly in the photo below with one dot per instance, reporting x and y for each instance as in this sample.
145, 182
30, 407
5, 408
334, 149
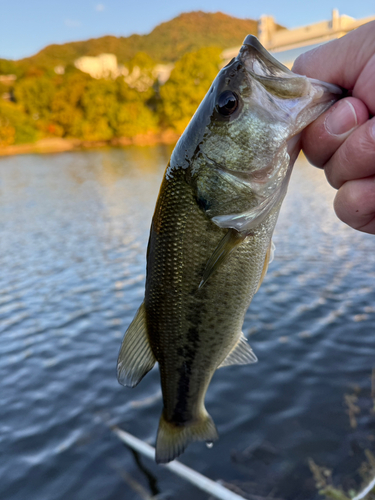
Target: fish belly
191, 329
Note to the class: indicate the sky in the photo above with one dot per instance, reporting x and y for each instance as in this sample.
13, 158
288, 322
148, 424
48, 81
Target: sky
26, 26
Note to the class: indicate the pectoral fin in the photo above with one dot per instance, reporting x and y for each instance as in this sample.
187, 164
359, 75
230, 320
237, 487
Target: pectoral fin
135, 358
269, 258
241, 354
226, 246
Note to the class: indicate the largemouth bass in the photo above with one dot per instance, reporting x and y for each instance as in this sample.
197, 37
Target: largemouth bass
210, 239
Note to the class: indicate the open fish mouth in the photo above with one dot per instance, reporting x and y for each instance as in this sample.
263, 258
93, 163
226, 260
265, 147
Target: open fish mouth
261, 64
292, 93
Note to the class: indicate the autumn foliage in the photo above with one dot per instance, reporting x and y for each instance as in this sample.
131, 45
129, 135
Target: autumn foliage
74, 105
41, 102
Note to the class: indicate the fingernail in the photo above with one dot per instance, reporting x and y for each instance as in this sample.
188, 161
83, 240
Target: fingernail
342, 119
373, 129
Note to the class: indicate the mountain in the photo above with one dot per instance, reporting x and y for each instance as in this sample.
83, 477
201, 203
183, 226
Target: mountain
166, 43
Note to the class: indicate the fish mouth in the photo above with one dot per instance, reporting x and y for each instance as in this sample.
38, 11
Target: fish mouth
299, 98
259, 61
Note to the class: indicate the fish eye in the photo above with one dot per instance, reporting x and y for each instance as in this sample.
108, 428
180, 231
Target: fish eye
227, 103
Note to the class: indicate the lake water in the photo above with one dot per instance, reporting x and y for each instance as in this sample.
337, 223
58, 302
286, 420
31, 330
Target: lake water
73, 237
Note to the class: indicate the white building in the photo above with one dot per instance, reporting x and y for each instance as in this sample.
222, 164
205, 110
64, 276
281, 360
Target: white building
287, 44
102, 66
106, 66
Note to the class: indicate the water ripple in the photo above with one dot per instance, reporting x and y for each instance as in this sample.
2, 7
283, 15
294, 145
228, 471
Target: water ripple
73, 237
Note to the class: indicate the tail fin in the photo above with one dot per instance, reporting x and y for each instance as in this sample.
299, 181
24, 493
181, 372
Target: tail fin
173, 439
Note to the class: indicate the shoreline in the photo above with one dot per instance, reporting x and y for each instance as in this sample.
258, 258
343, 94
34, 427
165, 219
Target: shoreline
60, 145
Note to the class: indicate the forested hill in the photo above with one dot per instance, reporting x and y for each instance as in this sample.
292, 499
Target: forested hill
168, 42
47, 96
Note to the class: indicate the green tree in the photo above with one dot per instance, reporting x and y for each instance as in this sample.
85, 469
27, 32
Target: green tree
35, 96
8, 67
134, 115
113, 109
99, 104
66, 110
15, 126
141, 73
142, 61
187, 85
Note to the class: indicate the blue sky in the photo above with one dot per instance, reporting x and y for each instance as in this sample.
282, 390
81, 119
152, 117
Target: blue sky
26, 26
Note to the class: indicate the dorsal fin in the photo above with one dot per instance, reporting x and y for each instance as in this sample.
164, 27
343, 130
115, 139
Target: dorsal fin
135, 358
241, 354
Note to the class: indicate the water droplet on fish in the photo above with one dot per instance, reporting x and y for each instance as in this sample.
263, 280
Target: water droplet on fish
209, 444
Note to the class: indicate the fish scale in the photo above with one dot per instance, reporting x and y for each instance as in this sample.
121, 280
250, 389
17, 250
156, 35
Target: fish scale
206, 315
210, 238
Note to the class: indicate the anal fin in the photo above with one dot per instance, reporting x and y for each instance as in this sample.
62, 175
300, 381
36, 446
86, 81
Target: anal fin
241, 354
226, 246
136, 357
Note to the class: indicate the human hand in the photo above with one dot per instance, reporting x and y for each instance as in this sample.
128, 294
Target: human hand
342, 140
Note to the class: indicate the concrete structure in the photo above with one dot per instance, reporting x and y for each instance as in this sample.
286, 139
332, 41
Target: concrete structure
102, 66
7, 79
162, 72
138, 79
106, 66
286, 45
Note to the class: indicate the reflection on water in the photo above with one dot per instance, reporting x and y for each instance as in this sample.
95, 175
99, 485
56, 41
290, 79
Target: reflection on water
73, 236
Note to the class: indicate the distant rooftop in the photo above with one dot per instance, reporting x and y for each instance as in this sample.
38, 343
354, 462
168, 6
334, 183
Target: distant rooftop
287, 57
287, 44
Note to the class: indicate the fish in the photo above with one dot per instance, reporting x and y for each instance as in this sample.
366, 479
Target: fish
210, 240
